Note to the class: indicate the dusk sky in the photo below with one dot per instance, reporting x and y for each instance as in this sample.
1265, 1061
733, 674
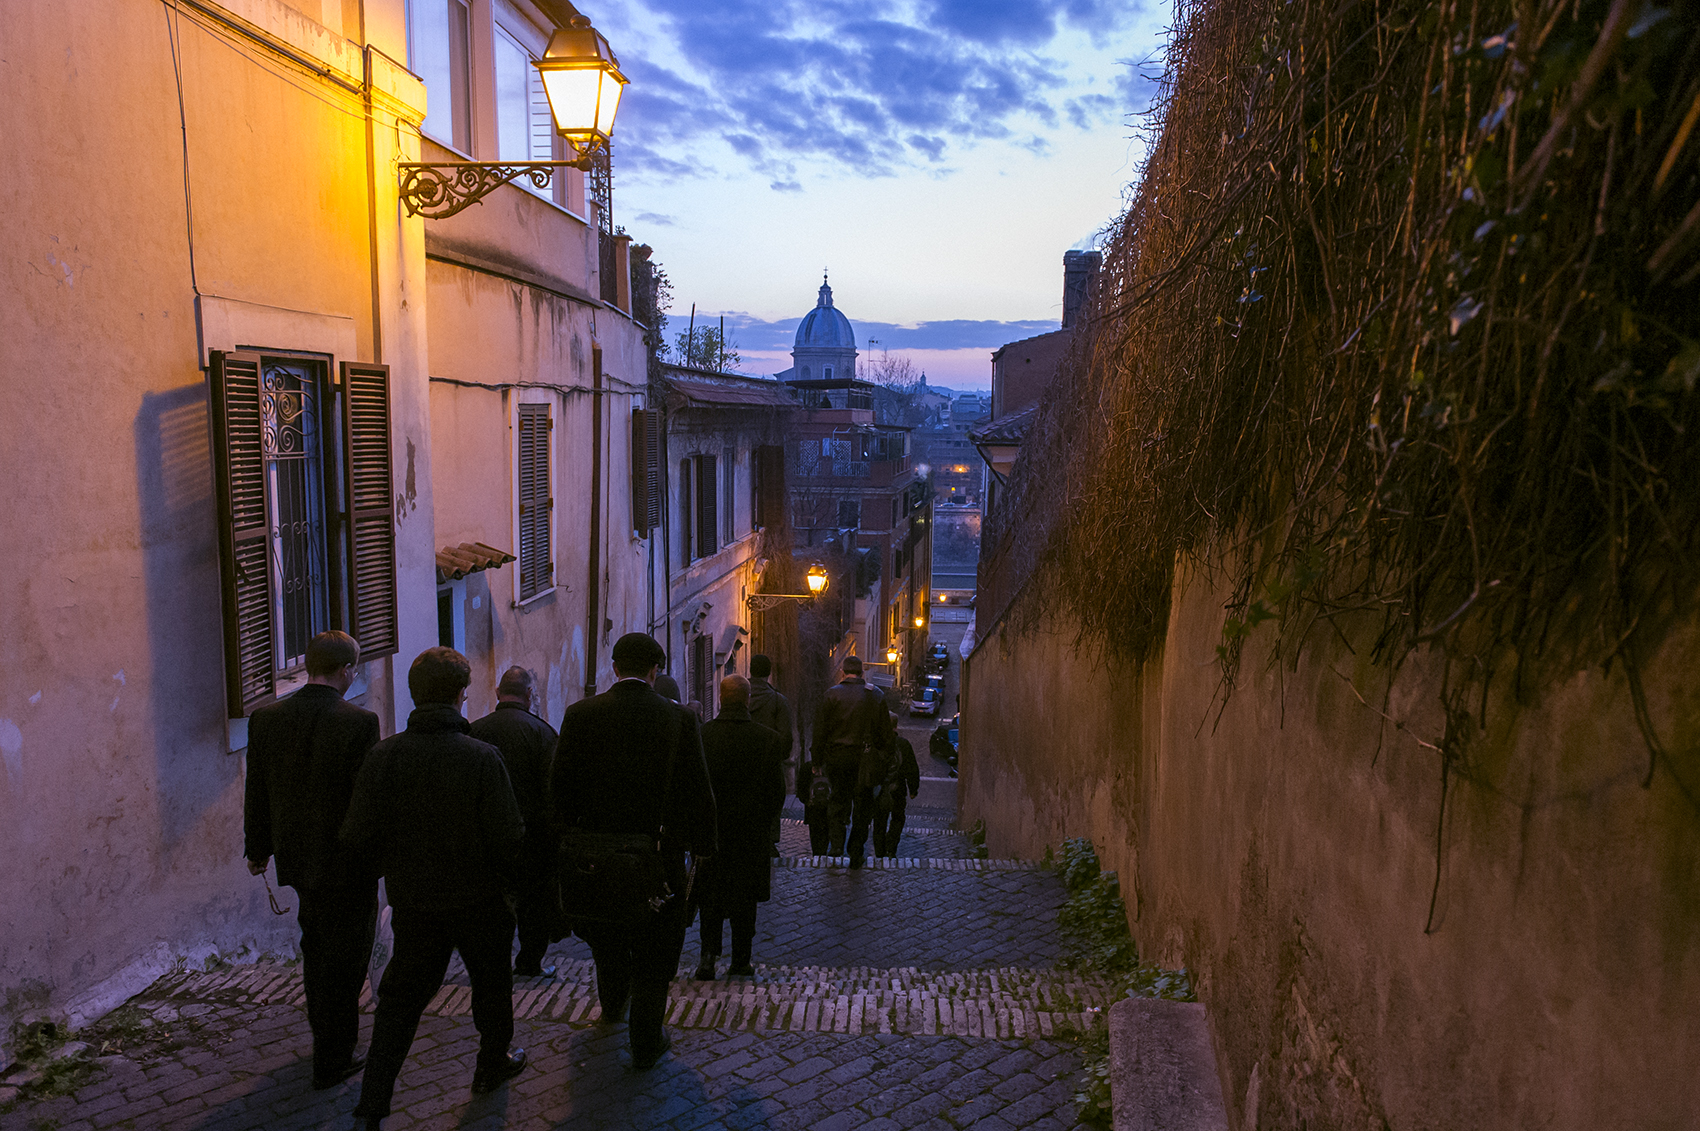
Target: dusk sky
938, 156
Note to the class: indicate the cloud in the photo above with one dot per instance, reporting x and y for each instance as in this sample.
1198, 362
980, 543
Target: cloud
762, 335
865, 85
656, 219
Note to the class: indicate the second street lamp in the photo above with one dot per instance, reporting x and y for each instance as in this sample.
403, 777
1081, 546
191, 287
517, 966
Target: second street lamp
582, 80
817, 581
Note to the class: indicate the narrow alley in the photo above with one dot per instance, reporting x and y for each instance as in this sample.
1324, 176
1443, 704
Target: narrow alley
923, 992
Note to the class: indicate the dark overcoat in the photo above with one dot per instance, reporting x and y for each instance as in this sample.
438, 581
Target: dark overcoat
612, 766
749, 790
527, 744
304, 753
433, 806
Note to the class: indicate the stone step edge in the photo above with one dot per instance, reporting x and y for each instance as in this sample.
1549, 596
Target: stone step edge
901, 863
801, 824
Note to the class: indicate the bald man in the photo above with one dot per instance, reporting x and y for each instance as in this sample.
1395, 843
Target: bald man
745, 768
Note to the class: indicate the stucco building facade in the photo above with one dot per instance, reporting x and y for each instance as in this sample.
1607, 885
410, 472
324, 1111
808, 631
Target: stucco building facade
248, 396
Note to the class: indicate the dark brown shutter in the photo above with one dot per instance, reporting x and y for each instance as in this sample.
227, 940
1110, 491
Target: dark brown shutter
685, 512
243, 532
369, 473
708, 486
646, 470
770, 483
536, 568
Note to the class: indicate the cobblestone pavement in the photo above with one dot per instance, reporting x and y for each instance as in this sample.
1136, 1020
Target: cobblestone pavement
920, 995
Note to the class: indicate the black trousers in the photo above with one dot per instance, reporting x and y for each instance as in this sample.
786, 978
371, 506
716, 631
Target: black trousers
888, 823
851, 808
424, 942
724, 898
337, 925
535, 899
820, 824
636, 966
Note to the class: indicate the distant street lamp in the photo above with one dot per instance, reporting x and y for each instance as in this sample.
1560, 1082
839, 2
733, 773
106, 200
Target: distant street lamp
892, 655
582, 80
920, 622
816, 578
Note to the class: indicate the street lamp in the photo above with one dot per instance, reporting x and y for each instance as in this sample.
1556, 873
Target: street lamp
582, 80
816, 578
892, 655
920, 622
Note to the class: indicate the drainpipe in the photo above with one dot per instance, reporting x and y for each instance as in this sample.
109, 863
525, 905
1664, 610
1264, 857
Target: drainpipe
593, 590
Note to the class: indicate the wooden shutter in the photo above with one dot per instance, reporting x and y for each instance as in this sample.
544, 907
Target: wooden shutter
730, 499
250, 670
770, 483
646, 470
536, 566
708, 487
369, 474
686, 512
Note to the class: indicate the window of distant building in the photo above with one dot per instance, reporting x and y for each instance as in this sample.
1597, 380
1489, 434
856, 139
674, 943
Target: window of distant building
438, 51
826, 372
805, 373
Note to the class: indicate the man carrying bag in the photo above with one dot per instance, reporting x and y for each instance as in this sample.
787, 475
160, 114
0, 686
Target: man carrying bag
631, 796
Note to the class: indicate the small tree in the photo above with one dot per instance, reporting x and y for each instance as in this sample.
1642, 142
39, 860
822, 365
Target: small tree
705, 348
895, 373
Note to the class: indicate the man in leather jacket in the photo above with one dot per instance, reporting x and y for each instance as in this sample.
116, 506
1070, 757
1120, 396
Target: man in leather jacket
853, 744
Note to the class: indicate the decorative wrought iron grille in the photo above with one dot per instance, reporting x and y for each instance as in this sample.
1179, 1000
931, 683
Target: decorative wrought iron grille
600, 183
291, 440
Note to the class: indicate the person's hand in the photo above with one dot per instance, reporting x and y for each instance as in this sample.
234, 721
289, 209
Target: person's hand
258, 867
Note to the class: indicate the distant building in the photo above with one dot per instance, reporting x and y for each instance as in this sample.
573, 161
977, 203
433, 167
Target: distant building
1023, 370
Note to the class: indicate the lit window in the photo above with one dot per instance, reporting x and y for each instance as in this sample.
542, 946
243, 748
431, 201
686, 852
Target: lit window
437, 52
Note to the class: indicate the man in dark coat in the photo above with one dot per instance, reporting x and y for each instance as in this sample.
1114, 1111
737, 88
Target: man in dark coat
853, 744
527, 744
891, 803
433, 806
303, 755
630, 762
773, 711
749, 790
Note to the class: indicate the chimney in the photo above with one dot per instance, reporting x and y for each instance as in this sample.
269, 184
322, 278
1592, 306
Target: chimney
1080, 269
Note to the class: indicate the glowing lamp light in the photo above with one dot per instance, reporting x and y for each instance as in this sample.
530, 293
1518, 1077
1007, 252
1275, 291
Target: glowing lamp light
582, 80
891, 655
920, 622
816, 577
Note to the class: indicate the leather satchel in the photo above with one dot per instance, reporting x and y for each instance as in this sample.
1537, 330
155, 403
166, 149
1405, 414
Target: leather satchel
617, 879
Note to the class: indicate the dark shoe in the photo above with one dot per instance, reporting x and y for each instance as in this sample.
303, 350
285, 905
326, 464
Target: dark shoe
538, 971
332, 1079
368, 1123
488, 1081
648, 1060
858, 862
705, 969
741, 970
617, 1014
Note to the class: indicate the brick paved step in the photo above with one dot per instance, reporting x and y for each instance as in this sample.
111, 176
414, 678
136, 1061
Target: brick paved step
1008, 1003
898, 863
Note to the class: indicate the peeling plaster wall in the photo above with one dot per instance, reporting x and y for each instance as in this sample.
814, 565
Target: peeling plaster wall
1283, 849
527, 345
120, 805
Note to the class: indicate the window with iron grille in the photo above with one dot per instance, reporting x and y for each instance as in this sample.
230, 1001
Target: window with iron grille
536, 502
687, 513
306, 533
728, 498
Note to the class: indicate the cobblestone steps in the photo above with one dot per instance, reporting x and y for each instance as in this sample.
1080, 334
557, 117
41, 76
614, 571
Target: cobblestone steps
999, 1003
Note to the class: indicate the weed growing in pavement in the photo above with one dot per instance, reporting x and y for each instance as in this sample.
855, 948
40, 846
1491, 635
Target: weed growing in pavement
42, 1068
977, 840
1096, 940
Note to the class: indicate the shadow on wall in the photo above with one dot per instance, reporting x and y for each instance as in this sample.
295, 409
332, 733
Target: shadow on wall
177, 522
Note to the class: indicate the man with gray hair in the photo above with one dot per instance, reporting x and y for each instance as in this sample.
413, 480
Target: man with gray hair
527, 744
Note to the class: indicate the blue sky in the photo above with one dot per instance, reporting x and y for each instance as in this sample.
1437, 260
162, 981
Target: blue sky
938, 156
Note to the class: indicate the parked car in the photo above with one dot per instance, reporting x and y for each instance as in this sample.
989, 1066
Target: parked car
942, 745
938, 658
926, 703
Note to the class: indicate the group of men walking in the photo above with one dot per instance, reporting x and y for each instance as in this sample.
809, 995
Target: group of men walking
477, 827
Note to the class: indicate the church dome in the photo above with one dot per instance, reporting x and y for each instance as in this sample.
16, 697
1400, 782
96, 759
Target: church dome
824, 327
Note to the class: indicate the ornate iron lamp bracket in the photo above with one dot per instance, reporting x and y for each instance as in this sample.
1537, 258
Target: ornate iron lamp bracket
442, 188
762, 602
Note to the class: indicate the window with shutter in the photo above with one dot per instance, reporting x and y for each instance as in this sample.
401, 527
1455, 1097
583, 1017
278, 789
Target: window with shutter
369, 477
646, 471
769, 463
728, 498
687, 513
708, 486
536, 503
244, 532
